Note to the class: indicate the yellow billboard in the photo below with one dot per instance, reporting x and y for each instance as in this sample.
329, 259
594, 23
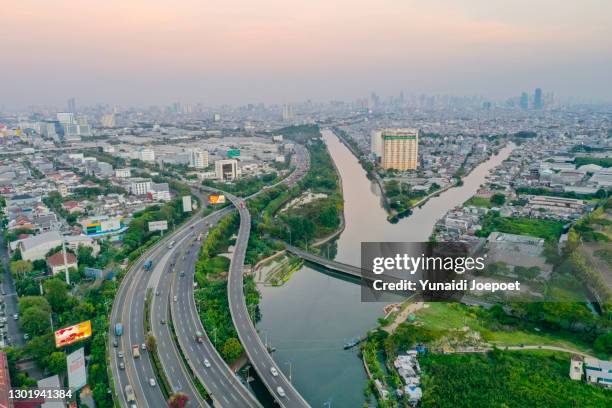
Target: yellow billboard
72, 334
216, 199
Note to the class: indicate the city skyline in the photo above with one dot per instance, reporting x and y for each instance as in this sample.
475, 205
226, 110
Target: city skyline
150, 53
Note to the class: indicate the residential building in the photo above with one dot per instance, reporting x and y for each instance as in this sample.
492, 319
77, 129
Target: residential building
198, 158
73, 242
160, 192
400, 149
140, 186
57, 264
123, 173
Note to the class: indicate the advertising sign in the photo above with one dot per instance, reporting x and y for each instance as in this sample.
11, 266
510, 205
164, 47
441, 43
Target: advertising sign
187, 203
216, 199
158, 225
233, 153
72, 334
77, 375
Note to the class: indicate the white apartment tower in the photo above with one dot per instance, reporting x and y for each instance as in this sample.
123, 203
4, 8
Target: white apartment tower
198, 158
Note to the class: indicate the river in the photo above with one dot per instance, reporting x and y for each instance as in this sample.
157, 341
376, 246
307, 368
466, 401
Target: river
310, 318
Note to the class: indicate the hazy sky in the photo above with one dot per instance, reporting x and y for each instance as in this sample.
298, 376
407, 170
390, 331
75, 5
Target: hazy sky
238, 51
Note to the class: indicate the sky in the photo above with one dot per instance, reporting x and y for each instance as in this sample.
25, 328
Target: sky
146, 52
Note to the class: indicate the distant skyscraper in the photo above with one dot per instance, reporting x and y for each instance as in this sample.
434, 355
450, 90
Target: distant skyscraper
287, 113
524, 102
400, 148
537, 99
72, 105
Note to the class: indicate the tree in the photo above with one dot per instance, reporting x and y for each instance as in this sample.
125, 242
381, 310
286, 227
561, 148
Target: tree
85, 256
56, 293
35, 321
498, 199
56, 362
232, 349
34, 302
178, 400
603, 344
151, 342
20, 268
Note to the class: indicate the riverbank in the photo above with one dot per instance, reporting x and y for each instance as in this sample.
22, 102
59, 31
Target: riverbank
294, 316
394, 214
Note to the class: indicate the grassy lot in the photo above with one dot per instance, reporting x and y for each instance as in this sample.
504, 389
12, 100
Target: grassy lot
445, 316
549, 230
478, 202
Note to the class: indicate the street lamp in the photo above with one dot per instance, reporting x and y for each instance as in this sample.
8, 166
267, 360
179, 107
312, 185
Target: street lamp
290, 365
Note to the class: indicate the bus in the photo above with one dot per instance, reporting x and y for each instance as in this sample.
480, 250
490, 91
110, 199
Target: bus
118, 329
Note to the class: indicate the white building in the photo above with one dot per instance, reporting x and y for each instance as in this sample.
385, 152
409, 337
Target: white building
160, 192
598, 371
38, 246
226, 169
198, 158
123, 173
147, 155
140, 186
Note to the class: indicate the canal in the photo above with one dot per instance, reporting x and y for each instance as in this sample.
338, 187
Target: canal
310, 318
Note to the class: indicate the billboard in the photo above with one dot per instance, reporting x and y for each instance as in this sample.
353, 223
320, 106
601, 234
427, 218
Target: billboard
216, 199
158, 225
72, 334
77, 375
186, 203
233, 153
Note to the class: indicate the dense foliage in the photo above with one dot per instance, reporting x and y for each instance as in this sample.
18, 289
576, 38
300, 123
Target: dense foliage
505, 379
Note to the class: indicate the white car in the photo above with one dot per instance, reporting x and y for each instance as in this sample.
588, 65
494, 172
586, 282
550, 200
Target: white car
143, 346
206, 363
152, 382
175, 298
16, 316
280, 391
274, 371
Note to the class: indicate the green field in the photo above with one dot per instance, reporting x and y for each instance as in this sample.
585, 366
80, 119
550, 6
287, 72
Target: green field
478, 202
549, 230
439, 316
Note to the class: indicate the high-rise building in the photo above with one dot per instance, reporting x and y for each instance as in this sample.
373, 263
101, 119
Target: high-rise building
198, 158
400, 148
108, 120
524, 101
66, 118
287, 113
537, 99
72, 105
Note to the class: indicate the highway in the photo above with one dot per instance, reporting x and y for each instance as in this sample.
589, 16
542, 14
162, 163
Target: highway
172, 364
223, 385
225, 388
128, 309
256, 351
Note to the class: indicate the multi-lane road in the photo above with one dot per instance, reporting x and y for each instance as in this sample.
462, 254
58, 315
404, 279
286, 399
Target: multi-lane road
171, 282
128, 309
